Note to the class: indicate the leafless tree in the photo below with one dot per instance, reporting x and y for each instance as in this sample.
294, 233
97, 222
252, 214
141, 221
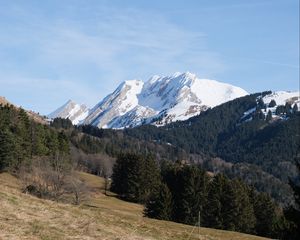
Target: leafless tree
44, 177
77, 188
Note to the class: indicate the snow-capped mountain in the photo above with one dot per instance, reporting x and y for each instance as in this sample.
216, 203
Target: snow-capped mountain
160, 100
75, 112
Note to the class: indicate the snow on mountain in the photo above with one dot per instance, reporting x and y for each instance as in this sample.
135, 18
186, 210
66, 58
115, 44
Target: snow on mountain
160, 100
75, 112
280, 98
123, 100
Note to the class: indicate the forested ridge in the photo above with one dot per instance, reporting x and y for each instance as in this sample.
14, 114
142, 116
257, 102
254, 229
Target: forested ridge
262, 147
262, 152
22, 139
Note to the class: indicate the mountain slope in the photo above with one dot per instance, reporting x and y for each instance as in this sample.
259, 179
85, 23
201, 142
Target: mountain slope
121, 101
101, 217
75, 112
3, 101
160, 100
33, 115
262, 152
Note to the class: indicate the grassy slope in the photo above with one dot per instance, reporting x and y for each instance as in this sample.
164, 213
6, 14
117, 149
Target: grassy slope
101, 217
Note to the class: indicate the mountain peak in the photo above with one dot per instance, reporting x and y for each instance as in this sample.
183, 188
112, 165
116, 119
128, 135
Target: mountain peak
188, 75
75, 112
160, 100
70, 101
167, 98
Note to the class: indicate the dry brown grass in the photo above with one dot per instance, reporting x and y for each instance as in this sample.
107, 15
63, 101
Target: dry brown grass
102, 217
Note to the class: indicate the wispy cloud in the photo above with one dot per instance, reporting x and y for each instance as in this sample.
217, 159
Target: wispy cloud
71, 57
261, 61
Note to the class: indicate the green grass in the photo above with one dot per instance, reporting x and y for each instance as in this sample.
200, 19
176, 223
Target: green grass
101, 217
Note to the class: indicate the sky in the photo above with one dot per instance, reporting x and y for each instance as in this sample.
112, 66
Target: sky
55, 50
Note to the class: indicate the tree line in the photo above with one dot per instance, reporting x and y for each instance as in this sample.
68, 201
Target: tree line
179, 192
22, 139
38, 154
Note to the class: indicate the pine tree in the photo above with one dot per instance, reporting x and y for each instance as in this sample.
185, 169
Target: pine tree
7, 147
151, 177
159, 204
295, 108
186, 199
272, 103
258, 115
134, 177
213, 216
264, 210
61, 123
260, 104
119, 176
242, 216
288, 107
280, 110
269, 116
292, 214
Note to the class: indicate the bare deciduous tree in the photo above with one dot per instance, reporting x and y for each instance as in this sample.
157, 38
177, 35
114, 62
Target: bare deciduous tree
77, 188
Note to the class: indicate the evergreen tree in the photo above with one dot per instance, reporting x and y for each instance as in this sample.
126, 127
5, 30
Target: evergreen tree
288, 107
134, 177
264, 210
295, 108
238, 212
191, 195
7, 147
258, 115
118, 184
260, 104
280, 110
228, 206
38, 140
292, 214
61, 123
269, 116
213, 216
21, 139
159, 204
131, 177
151, 177
272, 103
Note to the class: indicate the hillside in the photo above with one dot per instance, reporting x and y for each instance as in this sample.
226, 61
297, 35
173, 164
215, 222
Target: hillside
258, 150
101, 217
37, 153
33, 115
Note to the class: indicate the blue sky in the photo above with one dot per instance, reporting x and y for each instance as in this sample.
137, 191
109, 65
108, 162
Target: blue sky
52, 51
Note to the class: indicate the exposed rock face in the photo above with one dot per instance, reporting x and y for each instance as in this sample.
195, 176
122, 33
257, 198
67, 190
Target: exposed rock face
75, 112
160, 100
